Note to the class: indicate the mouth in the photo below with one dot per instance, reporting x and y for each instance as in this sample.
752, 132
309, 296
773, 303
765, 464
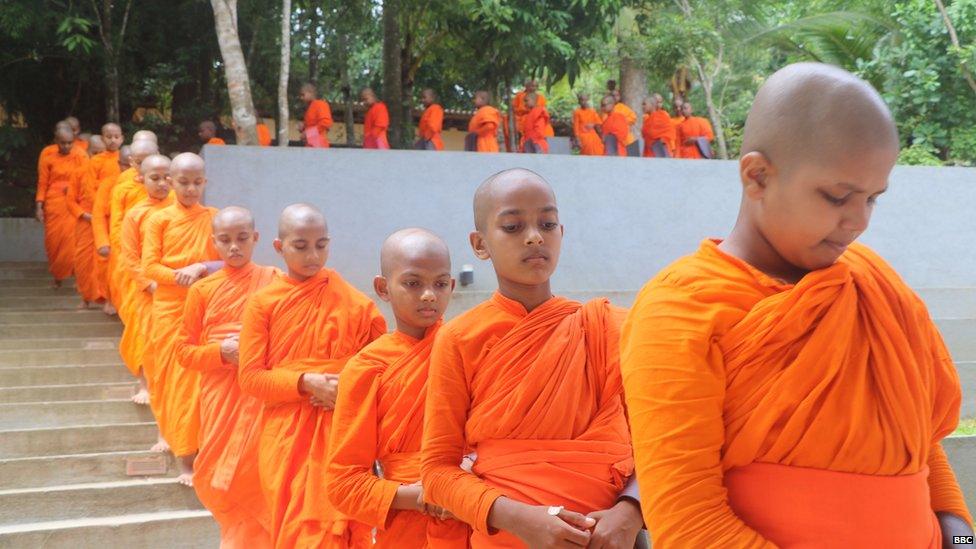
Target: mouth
427, 312
535, 259
839, 247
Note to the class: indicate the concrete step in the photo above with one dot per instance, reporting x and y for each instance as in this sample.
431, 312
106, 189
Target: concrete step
8, 316
65, 300
100, 499
38, 290
9, 273
36, 472
60, 343
36, 415
61, 393
8, 284
183, 529
56, 357
63, 375
58, 441
58, 330
23, 265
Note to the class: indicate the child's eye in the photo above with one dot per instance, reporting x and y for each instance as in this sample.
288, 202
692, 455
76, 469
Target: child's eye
412, 283
833, 199
510, 228
550, 226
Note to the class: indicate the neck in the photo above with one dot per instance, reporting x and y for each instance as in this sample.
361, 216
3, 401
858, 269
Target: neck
416, 332
530, 296
190, 205
230, 267
749, 245
298, 276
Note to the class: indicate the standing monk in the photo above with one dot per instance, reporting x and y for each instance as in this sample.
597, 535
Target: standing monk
80, 199
264, 134
207, 132
297, 334
694, 133
657, 130
104, 169
56, 173
178, 243
585, 123
431, 123
376, 122
483, 126
529, 384
614, 128
318, 118
75, 126
379, 414
226, 469
534, 126
785, 387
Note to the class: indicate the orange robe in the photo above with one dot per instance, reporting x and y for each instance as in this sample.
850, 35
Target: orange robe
374, 127
590, 143
216, 141
431, 124
176, 237
521, 110
55, 174
264, 135
657, 127
485, 124
319, 115
226, 470
134, 345
104, 169
126, 193
742, 388
291, 328
616, 125
80, 199
534, 128
379, 417
693, 127
538, 397
630, 116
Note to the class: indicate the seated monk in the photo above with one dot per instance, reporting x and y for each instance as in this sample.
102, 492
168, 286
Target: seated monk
177, 246
614, 128
226, 469
483, 126
534, 125
376, 121
530, 383
690, 130
297, 334
521, 109
657, 130
431, 123
585, 124
56, 173
785, 387
207, 132
379, 413
134, 345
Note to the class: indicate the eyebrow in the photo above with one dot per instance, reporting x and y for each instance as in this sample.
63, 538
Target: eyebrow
516, 211
855, 188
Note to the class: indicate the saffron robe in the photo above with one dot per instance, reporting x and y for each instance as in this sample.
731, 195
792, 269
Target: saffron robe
590, 142
318, 115
216, 141
80, 199
485, 124
104, 169
534, 128
127, 193
521, 110
630, 116
691, 128
264, 135
616, 125
657, 127
430, 125
375, 123
56, 173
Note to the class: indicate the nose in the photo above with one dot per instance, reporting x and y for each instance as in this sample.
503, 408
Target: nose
857, 216
428, 295
533, 237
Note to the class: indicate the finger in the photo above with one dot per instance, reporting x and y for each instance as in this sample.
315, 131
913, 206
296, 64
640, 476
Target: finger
574, 537
577, 520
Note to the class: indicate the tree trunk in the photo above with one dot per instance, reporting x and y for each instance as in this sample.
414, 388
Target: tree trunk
112, 47
713, 114
235, 71
313, 43
283, 75
633, 89
392, 74
347, 116
954, 38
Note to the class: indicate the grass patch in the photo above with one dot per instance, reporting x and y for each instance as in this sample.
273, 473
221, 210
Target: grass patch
967, 426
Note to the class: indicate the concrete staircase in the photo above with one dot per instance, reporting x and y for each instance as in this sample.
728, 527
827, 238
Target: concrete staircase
68, 432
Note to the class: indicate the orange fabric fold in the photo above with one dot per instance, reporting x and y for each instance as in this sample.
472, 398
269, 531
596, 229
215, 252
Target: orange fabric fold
658, 127
176, 237
375, 123
264, 135
57, 172
589, 140
484, 123
616, 125
691, 128
103, 169
430, 125
226, 470
534, 125
80, 199
319, 115
291, 328
537, 396
125, 194
379, 418
725, 367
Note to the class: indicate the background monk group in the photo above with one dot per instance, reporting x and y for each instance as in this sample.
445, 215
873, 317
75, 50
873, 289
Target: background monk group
530, 384
785, 387
380, 409
298, 333
226, 468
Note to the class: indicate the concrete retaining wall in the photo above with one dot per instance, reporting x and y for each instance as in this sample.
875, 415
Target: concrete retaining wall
21, 239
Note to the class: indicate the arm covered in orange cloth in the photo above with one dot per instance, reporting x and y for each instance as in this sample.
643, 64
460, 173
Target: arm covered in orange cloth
152, 251
100, 213
355, 489
380, 119
74, 192
432, 122
131, 256
445, 484
43, 178
944, 488
193, 352
272, 386
674, 384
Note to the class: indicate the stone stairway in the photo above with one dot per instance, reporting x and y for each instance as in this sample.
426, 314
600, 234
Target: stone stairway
68, 432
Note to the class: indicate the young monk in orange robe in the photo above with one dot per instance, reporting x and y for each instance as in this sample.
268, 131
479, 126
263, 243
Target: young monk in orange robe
177, 245
79, 200
55, 174
207, 132
226, 469
484, 124
614, 124
531, 384
657, 127
95, 145
534, 127
298, 333
264, 134
134, 346
104, 169
585, 122
379, 412
79, 141
318, 115
521, 110
376, 122
431, 122
689, 130
785, 387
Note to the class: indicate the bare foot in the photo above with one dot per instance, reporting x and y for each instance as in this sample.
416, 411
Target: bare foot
142, 397
83, 305
108, 308
56, 284
161, 446
186, 479
185, 465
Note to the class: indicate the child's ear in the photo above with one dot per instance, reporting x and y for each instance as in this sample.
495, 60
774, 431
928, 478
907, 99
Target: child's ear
381, 287
479, 246
277, 245
754, 171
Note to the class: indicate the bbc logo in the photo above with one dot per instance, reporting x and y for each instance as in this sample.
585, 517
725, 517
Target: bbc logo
962, 540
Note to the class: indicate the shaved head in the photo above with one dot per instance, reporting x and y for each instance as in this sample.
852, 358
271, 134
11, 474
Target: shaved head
500, 183
233, 216
95, 144
143, 148
154, 162
74, 123
208, 125
62, 124
300, 215
111, 127
124, 153
144, 135
64, 133
309, 87
812, 112
410, 246
187, 162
